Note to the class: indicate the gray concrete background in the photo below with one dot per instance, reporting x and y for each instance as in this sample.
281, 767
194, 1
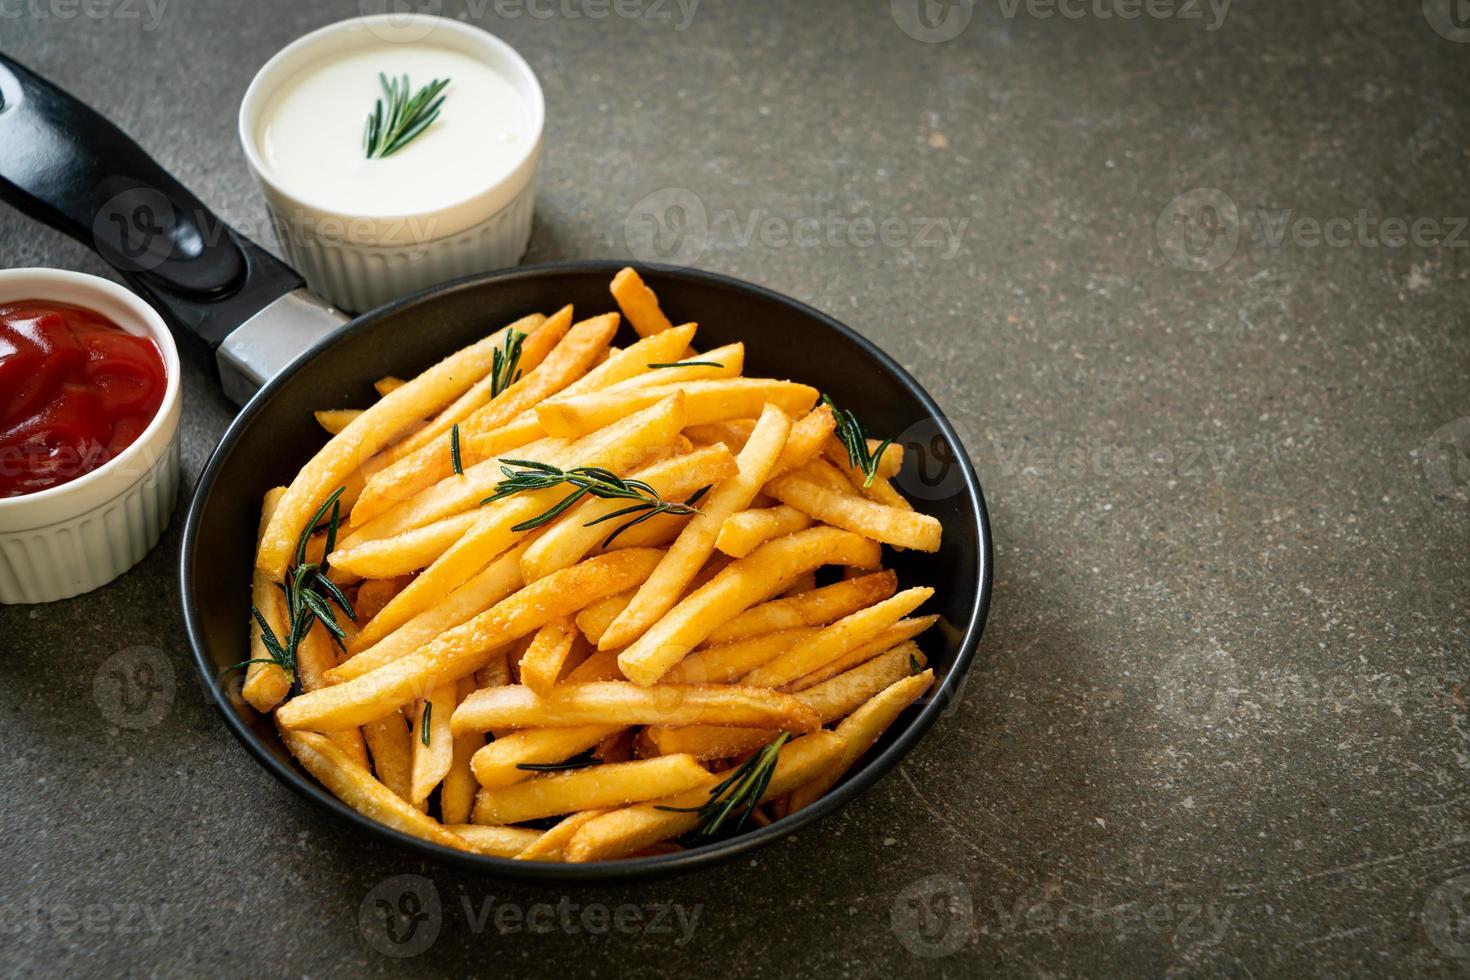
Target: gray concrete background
1217, 725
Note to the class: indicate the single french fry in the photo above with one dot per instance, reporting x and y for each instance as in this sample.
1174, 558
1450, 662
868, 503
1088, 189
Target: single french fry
638, 303
432, 462
542, 662
370, 432
837, 639
608, 785
266, 683
815, 608
727, 663
708, 401
579, 532
462, 650
548, 846
457, 793
630, 829
696, 542
732, 433
495, 841
808, 435
433, 751
621, 703
316, 655
404, 553
900, 632
830, 700
745, 582
496, 581
805, 582
746, 530
860, 730
388, 741
722, 362
888, 464
618, 448
496, 671
353, 785
387, 385
334, 420
602, 665
374, 594
594, 620
498, 763
890, 525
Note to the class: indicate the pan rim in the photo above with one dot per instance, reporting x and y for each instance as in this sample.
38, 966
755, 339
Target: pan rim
633, 868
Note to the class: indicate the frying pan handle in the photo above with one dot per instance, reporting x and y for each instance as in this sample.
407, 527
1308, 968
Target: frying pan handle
65, 165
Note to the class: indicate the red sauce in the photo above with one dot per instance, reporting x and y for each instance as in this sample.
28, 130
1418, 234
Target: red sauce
75, 390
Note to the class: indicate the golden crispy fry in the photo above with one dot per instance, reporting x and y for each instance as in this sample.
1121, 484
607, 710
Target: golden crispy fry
627, 830
374, 594
387, 385
494, 841
499, 579
727, 663
352, 784
803, 583
835, 640
497, 763
388, 741
722, 362
406, 553
638, 303
745, 582
433, 462
597, 786
266, 684
575, 535
597, 617
548, 847
900, 632
432, 752
334, 420
618, 448
815, 608
696, 542
708, 401
457, 793
831, 701
602, 665
316, 655
465, 648
746, 530
860, 730
808, 436
621, 703
542, 662
888, 464
371, 431
731, 433
890, 525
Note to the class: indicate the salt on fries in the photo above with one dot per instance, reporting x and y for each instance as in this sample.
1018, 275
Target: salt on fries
558, 601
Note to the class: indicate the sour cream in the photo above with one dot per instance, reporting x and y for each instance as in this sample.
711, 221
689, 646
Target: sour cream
311, 132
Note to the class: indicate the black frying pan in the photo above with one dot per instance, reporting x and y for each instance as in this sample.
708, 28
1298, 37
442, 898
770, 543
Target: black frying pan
68, 167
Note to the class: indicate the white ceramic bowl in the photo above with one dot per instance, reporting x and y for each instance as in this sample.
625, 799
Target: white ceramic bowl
358, 261
81, 535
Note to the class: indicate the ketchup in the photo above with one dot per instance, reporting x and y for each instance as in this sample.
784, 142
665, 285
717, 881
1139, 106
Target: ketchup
75, 390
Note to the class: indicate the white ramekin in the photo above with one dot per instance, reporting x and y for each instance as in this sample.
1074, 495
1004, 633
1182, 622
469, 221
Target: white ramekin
81, 535
359, 261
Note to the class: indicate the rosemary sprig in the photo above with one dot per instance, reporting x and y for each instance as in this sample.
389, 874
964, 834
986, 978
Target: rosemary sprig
584, 761
850, 433
505, 364
914, 665
454, 456
406, 117
309, 596
592, 480
672, 364
425, 733
741, 790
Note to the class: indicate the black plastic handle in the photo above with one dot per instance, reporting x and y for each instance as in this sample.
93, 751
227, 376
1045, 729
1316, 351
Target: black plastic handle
65, 165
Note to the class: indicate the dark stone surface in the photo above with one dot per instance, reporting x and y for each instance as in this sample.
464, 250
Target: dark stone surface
1217, 725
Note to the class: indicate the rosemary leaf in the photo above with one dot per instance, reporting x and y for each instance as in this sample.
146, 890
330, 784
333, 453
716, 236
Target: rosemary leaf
674, 364
454, 449
425, 734
407, 115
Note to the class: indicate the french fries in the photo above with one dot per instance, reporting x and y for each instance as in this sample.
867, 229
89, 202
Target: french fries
626, 589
